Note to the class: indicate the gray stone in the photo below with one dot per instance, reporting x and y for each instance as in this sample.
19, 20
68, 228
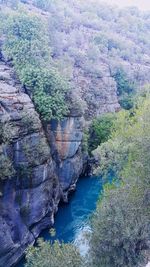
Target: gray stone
45, 172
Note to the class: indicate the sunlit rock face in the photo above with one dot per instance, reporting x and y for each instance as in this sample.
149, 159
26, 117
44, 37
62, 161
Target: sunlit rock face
68, 136
65, 138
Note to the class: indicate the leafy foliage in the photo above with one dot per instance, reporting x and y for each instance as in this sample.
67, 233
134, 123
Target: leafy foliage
100, 130
53, 255
30, 122
85, 141
121, 222
125, 89
7, 132
6, 166
61, 35
123, 85
27, 44
26, 41
37, 153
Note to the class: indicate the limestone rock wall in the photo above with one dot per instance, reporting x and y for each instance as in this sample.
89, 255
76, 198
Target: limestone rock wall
98, 93
30, 198
65, 139
45, 163
45, 167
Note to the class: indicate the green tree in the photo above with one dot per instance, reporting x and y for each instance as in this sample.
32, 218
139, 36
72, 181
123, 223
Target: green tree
27, 45
120, 224
6, 165
53, 255
125, 89
123, 84
100, 130
26, 41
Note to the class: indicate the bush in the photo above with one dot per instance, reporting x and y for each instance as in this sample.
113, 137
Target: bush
30, 121
37, 153
53, 255
123, 84
6, 167
7, 132
48, 89
27, 44
100, 130
126, 102
85, 141
125, 89
120, 226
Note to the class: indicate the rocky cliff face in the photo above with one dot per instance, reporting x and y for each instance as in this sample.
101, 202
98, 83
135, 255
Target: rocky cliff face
43, 172
44, 163
65, 140
99, 93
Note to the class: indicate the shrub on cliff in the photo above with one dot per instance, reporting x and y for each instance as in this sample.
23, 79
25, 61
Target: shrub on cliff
37, 152
27, 45
100, 130
48, 89
7, 132
53, 255
125, 89
6, 166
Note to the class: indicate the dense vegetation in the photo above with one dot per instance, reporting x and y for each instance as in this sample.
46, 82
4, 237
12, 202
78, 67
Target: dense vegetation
121, 222
100, 130
115, 39
96, 39
27, 45
6, 165
53, 255
125, 89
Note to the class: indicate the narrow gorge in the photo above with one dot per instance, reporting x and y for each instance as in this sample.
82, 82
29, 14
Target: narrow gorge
42, 160
43, 171
47, 164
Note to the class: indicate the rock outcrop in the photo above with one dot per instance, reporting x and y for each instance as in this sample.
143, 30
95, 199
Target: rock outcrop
44, 169
22, 217
98, 93
65, 139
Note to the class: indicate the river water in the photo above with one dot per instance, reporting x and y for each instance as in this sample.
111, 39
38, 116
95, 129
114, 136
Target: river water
72, 219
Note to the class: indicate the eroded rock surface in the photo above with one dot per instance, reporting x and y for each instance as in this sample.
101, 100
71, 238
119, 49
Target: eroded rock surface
29, 199
65, 138
46, 166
